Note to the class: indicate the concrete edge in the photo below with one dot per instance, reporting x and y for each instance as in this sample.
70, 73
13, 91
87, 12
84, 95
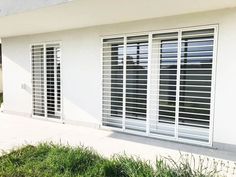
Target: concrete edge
225, 146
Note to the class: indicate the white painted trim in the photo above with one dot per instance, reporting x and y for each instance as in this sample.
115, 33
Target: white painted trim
178, 84
148, 84
45, 81
31, 80
101, 66
165, 30
124, 81
62, 83
213, 84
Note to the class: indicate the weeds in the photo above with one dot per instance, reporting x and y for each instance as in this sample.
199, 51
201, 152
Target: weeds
47, 160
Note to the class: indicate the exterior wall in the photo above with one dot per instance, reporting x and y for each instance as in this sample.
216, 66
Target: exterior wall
81, 68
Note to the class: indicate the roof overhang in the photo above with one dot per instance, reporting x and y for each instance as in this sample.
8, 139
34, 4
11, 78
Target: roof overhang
85, 13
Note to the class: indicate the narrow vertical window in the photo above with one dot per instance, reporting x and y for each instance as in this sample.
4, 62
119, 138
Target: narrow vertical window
165, 56
113, 62
38, 90
195, 84
136, 82
53, 80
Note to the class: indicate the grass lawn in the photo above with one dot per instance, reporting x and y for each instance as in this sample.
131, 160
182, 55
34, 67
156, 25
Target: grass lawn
49, 160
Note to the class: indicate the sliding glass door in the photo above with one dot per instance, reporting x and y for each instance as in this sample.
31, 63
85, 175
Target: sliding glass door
161, 84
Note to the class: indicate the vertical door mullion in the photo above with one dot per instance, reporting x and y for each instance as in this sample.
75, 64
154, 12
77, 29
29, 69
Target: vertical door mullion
178, 83
55, 81
45, 80
124, 84
158, 77
32, 78
59, 83
148, 83
213, 82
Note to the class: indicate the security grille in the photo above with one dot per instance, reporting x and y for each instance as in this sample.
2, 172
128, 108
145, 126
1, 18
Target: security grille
181, 73
195, 84
136, 83
38, 80
113, 63
46, 59
164, 66
161, 84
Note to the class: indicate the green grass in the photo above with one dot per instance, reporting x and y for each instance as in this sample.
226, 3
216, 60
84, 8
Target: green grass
1, 98
50, 160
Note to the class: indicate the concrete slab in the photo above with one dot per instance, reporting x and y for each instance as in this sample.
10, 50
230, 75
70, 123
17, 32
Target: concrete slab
17, 130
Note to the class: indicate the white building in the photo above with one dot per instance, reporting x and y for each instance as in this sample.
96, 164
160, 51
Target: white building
161, 69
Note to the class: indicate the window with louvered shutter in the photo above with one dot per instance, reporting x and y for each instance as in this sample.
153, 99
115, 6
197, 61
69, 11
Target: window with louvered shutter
38, 76
164, 82
113, 63
161, 84
195, 84
125, 82
136, 83
46, 81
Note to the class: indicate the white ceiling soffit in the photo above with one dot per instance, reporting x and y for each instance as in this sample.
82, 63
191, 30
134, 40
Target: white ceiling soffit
84, 13
9, 7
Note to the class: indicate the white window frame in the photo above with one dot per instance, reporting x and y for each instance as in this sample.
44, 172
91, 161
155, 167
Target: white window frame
213, 82
61, 119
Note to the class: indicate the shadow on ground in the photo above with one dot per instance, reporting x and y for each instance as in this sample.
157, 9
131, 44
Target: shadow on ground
181, 147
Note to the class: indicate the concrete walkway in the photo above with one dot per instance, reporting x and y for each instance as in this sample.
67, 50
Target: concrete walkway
17, 130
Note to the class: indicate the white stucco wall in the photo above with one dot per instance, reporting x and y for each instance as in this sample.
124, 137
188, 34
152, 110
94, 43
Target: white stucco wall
81, 68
